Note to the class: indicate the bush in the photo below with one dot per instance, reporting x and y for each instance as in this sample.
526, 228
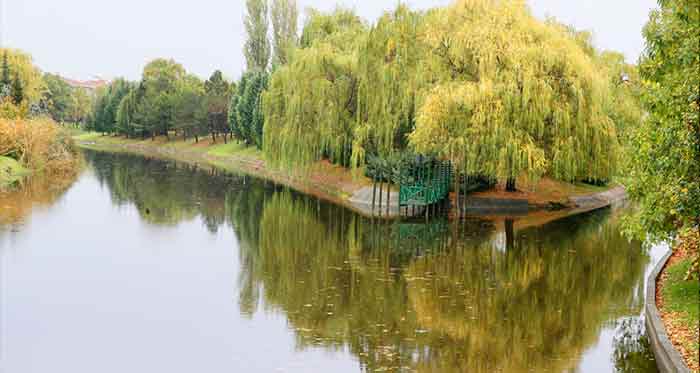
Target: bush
39, 144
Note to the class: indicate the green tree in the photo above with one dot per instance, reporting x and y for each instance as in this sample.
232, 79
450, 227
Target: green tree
57, 96
21, 64
310, 105
161, 83
284, 14
188, 106
127, 122
665, 162
106, 105
5, 80
79, 107
513, 96
17, 91
216, 103
257, 45
233, 121
247, 118
482, 83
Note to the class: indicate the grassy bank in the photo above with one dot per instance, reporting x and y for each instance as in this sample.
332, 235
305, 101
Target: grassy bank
321, 179
11, 172
679, 302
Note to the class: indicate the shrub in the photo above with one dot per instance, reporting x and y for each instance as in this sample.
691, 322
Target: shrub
39, 144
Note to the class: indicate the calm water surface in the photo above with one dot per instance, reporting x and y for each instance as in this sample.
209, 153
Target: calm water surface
152, 266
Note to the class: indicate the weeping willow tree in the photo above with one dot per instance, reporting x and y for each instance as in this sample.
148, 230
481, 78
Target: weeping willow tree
513, 96
309, 107
481, 82
390, 78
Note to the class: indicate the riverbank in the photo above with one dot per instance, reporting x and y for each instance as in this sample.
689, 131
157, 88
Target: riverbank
35, 146
678, 303
342, 186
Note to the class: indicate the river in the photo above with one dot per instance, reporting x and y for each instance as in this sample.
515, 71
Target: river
146, 265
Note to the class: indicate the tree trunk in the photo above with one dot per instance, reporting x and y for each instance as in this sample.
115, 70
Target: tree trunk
374, 195
388, 198
510, 234
459, 206
381, 186
510, 185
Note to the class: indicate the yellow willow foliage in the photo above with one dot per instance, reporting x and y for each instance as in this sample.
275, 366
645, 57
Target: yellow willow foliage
351, 91
481, 82
390, 78
310, 103
38, 144
513, 95
313, 117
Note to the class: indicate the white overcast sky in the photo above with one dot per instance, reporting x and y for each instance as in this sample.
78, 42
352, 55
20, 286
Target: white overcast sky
110, 38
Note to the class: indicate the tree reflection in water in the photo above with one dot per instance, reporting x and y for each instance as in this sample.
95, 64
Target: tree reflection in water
39, 190
473, 295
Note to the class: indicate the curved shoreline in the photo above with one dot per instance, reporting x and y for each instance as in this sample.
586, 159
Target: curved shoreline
352, 195
668, 359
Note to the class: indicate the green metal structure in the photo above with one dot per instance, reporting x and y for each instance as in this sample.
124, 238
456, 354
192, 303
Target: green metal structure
426, 185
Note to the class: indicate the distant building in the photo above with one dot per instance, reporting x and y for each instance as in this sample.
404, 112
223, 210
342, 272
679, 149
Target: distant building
89, 85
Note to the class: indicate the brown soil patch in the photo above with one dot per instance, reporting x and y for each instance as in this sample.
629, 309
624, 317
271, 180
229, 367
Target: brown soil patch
541, 193
679, 332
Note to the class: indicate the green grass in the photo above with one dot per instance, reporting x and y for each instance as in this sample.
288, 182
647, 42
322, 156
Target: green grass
11, 171
86, 136
233, 148
682, 296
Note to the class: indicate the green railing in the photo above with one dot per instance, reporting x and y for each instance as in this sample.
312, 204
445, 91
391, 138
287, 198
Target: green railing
425, 185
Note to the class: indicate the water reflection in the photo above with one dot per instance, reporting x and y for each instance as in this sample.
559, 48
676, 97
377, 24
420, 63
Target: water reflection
452, 301
476, 295
18, 202
631, 347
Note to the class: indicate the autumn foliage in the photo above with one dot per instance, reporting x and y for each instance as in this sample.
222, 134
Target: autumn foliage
40, 144
482, 83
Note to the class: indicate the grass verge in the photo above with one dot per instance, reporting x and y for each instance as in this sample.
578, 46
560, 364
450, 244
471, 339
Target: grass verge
679, 305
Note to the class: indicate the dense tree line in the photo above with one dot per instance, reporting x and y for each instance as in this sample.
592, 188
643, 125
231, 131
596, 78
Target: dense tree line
511, 96
28, 135
26, 92
482, 83
63, 103
169, 101
665, 161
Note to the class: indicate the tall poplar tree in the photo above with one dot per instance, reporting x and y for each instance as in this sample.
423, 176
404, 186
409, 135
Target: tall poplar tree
5, 80
284, 14
17, 91
257, 46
